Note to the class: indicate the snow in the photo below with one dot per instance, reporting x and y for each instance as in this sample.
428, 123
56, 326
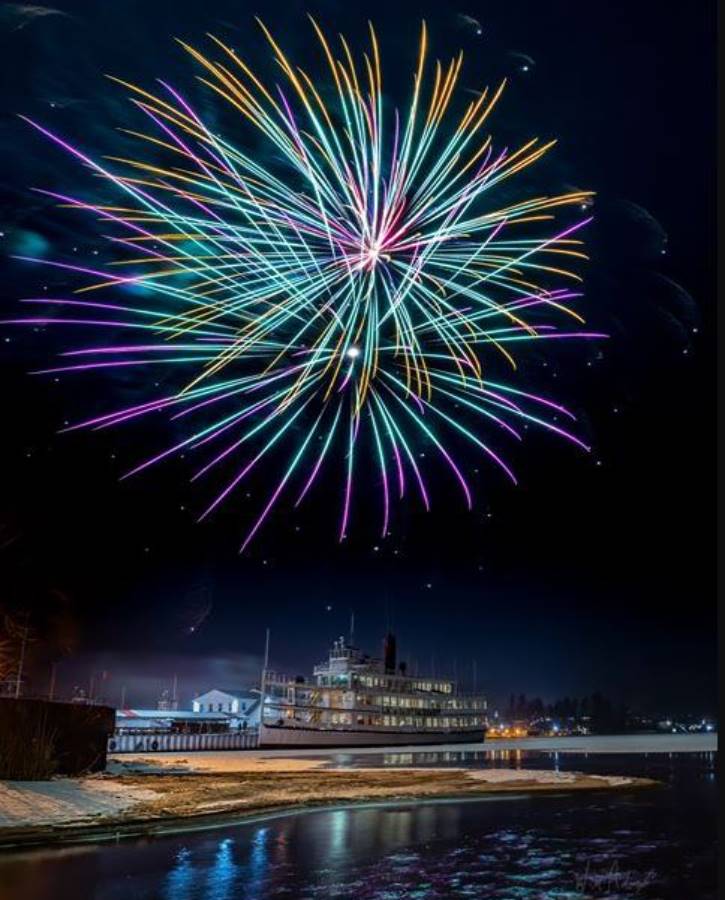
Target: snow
615, 743
509, 776
64, 801
206, 761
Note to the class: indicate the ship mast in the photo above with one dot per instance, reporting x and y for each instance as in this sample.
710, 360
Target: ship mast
264, 677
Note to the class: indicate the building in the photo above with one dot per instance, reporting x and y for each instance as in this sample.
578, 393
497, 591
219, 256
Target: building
241, 707
171, 721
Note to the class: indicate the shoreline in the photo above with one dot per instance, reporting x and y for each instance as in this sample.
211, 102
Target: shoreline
156, 798
111, 831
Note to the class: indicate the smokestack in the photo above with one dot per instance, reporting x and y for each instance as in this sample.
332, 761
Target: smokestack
389, 653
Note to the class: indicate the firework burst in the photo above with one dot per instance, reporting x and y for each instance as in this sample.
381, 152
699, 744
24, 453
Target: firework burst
343, 301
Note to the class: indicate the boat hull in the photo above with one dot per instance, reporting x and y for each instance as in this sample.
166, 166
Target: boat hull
278, 736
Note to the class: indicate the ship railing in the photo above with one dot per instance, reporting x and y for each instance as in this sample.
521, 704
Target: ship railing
283, 703
398, 687
438, 710
281, 679
165, 741
465, 703
295, 724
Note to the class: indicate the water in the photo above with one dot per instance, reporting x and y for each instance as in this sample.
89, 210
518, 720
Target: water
617, 845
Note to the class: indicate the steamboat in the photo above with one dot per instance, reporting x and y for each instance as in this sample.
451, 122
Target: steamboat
353, 700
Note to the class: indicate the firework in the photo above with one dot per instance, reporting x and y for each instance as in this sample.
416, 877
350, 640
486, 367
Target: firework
342, 302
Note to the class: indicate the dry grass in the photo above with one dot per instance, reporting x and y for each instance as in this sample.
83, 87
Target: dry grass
253, 791
151, 796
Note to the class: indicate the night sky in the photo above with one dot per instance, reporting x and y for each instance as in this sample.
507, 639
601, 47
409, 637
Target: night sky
595, 573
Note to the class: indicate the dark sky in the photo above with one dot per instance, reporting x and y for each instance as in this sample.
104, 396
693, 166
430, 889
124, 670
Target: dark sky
595, 573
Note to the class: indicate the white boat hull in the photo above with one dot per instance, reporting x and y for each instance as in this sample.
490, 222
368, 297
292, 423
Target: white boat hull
274, 736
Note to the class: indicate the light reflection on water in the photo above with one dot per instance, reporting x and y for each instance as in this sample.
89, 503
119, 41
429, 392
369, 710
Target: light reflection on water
181, 876
648, 844
571, 848
226, 870
440, 758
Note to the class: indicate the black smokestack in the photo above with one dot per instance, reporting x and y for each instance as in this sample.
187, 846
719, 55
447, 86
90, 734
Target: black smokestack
389, 653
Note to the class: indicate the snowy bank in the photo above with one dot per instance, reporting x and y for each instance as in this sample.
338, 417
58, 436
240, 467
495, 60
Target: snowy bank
153, 797
65, 801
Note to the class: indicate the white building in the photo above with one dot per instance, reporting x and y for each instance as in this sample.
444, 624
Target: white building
242, 707
156, 721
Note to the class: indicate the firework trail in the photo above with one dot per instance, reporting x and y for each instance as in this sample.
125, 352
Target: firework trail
340, 307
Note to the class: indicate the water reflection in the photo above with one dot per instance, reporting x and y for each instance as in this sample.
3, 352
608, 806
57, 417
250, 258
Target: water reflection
221, 878
658, 843
259, 862
278, 853
440, 758
338, 833
180, 878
